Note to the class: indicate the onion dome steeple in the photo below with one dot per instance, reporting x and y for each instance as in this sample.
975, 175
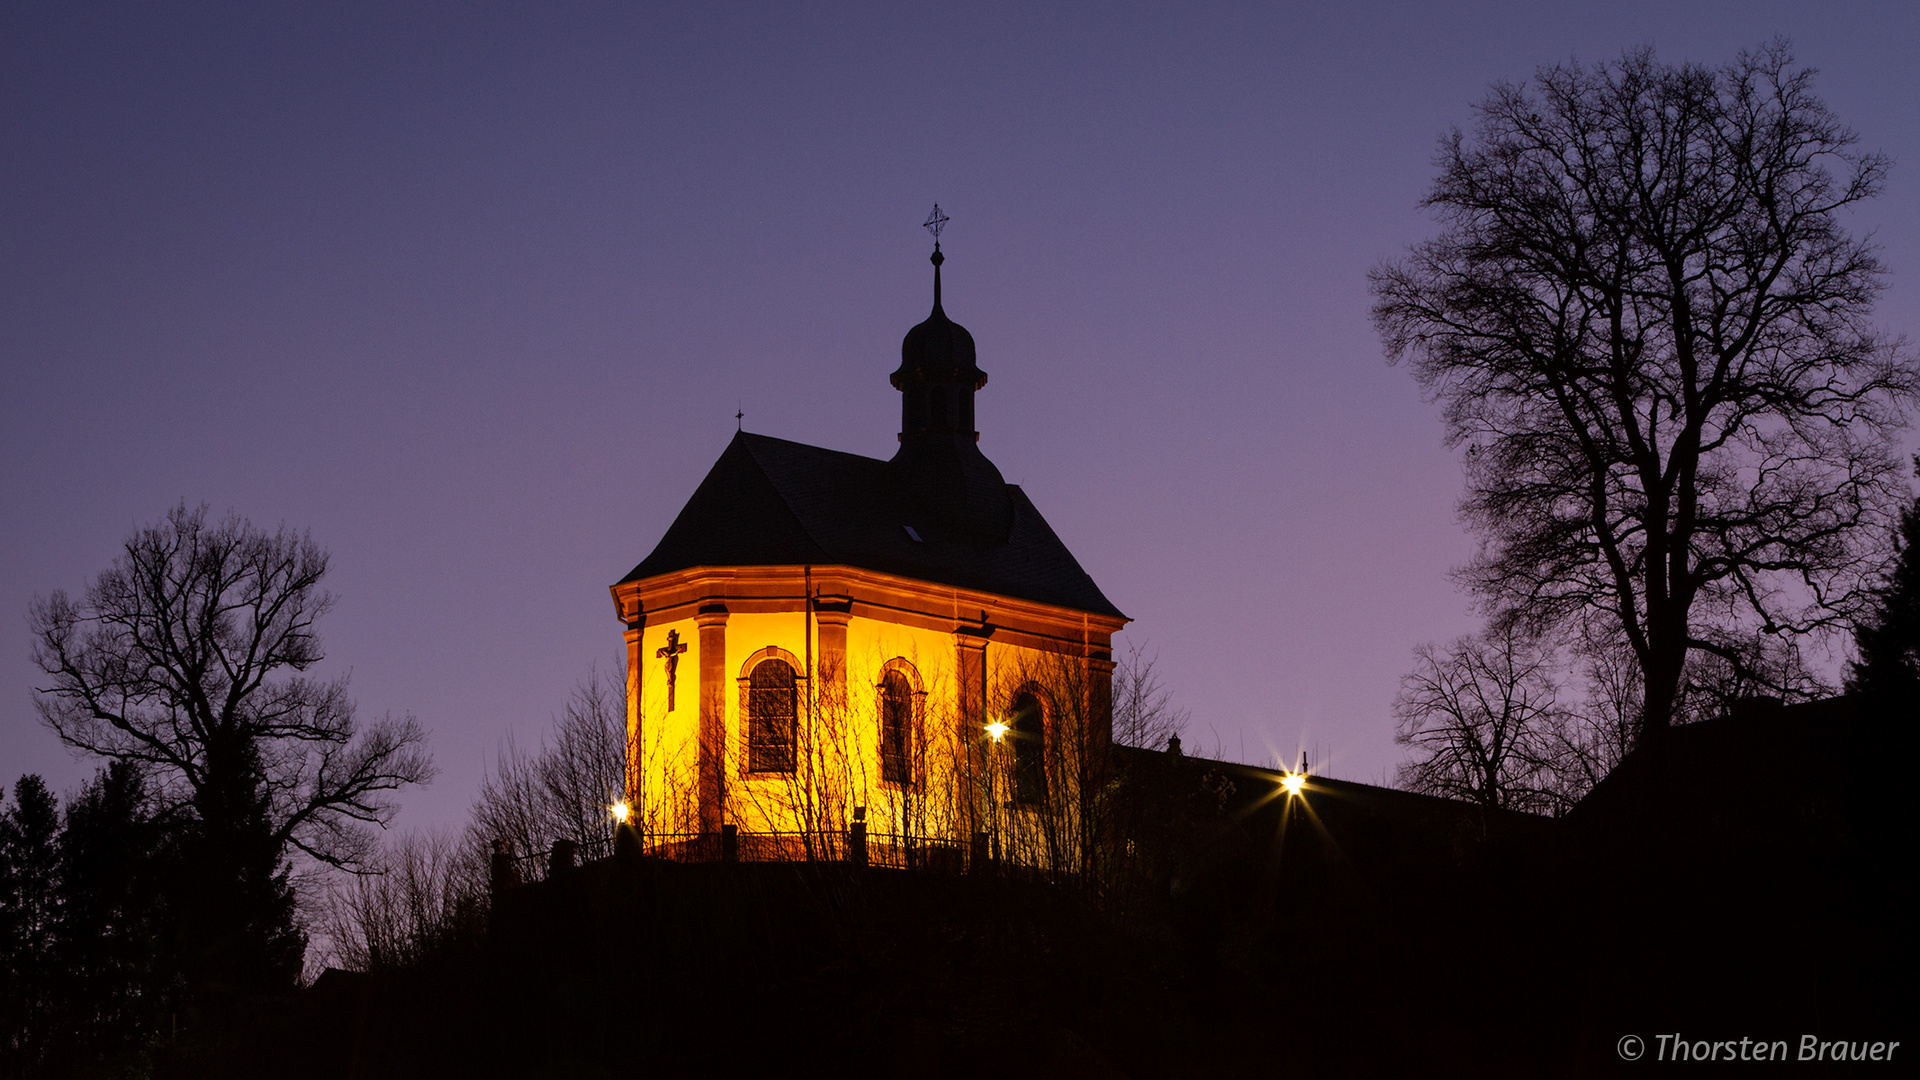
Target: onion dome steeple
938, 374
939, 450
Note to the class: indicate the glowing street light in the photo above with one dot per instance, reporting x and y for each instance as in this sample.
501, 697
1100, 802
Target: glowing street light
997, 730
1293, 782
621, 812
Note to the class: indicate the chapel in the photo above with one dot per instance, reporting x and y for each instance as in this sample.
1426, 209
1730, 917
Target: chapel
823, 640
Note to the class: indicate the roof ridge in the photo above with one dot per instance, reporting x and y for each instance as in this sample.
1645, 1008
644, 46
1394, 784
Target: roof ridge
757, 437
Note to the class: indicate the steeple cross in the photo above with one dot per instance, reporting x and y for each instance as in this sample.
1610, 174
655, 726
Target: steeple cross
935, 222
670, 652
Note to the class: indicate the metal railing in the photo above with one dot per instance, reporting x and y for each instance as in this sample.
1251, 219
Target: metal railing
893, 851
540, 865
903, 851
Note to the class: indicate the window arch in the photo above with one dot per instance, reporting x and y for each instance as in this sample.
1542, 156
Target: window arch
1029, 733
773, 716
902, 707
896, 728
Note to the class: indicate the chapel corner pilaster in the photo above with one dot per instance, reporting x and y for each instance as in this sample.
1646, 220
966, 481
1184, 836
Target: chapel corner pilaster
634, 633
711, 618
970, 638
831, 614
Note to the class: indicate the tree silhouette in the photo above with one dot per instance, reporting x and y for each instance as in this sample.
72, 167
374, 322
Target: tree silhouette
187, 657
1482, 722
564, 788
29, 923
1649, 331
1888, 640
114, 933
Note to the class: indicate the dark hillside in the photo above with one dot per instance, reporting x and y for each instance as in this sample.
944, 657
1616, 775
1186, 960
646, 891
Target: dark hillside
1750, 881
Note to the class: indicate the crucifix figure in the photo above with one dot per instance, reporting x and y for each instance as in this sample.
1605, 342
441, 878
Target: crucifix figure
670, 652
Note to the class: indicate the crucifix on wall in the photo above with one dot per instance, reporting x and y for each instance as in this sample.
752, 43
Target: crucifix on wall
670, 652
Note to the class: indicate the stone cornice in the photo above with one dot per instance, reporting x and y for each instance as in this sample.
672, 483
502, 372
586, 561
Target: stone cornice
866, 594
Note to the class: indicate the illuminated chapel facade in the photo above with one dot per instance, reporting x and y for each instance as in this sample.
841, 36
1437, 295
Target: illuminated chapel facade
821, 639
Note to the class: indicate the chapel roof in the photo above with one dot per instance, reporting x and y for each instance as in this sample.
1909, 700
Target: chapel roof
771, 502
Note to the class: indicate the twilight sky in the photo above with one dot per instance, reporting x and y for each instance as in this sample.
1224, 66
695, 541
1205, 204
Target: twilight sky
473, 292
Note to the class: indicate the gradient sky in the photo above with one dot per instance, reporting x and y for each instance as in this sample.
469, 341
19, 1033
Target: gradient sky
473, 292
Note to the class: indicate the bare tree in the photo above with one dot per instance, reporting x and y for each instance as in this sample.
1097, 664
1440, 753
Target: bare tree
426, 891
564, 789
1052, 770
1596, 733
815, 793
188, 657
1539, 723
1143, 711
1650, 334
1483, 723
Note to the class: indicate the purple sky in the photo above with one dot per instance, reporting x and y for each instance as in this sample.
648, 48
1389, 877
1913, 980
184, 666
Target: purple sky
473, 296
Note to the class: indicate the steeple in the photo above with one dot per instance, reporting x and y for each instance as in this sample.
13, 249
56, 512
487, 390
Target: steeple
937, 376
939, 449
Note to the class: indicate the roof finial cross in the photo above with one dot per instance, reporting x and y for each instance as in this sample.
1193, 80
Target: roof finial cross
934, 223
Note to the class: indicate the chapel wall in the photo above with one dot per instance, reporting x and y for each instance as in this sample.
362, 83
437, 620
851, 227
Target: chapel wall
692, 774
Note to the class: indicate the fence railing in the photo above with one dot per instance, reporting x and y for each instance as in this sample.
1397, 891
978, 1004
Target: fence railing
894, 851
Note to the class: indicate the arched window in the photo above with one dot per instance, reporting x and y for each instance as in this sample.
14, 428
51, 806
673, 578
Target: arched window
896, 729
1029, 750
773, 711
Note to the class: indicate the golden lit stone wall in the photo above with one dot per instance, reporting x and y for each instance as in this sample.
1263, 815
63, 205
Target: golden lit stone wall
966, 654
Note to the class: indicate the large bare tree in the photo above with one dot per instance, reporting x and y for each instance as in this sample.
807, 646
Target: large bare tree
188, 656
1649, 331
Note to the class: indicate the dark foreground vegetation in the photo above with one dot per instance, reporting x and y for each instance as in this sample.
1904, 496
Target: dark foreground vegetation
1750, 881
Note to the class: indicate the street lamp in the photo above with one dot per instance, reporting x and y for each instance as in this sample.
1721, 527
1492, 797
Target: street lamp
996, 731
1293, 782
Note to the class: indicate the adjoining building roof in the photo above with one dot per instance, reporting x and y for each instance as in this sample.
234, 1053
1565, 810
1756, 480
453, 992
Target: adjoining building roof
770, 502
1256, 786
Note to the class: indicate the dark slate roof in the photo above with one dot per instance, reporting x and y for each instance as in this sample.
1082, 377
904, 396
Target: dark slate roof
770, 502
